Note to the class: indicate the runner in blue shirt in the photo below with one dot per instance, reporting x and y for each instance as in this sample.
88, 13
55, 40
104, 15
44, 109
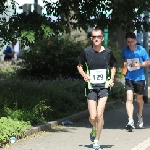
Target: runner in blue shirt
135, 58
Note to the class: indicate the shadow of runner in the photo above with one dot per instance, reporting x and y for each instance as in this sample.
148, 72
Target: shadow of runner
102, 146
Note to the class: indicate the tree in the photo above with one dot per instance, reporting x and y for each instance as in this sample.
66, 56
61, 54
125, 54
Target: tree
105, 13
3, 6
75, 14
28, 28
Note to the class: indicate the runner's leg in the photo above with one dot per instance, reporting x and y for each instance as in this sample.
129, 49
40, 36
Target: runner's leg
129, 104
100, 119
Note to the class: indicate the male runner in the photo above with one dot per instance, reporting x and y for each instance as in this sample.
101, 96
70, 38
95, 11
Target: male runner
99, 75
135, 58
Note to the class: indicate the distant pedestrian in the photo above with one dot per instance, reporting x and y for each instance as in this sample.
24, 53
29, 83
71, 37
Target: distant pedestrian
9, 51
135, 58
99, 75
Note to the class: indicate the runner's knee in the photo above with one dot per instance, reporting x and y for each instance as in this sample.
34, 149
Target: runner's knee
93, 117
100, 116
129, 100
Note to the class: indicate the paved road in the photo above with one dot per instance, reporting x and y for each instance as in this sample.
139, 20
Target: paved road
76, 137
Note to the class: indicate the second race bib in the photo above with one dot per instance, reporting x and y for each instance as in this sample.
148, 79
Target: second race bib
130, 61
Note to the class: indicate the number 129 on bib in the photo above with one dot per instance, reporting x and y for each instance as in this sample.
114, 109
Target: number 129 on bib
98, 76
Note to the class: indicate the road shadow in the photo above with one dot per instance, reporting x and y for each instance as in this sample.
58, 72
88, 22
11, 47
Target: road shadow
102, 146
117, 118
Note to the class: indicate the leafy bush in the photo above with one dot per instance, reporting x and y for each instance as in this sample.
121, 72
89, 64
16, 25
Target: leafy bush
9, 128
8, 69
117, 53
53, 58
117, 92
42, 100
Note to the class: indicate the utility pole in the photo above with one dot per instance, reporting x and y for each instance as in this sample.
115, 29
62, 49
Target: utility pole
139, 37
106, 37
36, 5
145, 45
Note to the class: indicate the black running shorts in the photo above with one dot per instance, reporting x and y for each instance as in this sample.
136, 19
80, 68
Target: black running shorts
136, 86
95, 94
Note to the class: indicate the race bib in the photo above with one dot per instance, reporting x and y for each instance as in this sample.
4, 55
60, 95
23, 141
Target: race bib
130, 61
98, 76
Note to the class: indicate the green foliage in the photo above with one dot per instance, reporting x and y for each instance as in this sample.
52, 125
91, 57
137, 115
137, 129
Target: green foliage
117, 92
9, 128
29, 35
8, 69
38, 113
59, 58
75, 15
112, 14
117, 53
38, 101
3, 7
27, 28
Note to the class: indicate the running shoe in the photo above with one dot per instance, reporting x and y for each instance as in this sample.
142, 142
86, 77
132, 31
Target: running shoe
96, 145
130, 125
93, 134
140, 121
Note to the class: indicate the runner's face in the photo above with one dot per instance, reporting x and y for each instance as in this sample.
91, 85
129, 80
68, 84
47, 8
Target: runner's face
131, 43
97, 37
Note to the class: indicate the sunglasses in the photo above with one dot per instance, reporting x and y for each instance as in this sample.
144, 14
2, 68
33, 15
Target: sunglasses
97, 36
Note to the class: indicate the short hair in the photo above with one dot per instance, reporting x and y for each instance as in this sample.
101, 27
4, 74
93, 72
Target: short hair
130, 35
14, 40
97, 29
138, 44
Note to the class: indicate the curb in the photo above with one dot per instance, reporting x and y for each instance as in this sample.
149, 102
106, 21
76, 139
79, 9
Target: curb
74, 117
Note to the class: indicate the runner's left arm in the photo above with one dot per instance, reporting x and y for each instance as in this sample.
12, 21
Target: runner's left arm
146, 60
113, 72
113, 64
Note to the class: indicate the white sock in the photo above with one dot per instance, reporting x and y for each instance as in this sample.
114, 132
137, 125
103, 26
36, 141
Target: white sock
95, 140
130, 120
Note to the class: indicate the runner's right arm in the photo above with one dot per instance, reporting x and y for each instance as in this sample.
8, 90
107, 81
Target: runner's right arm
82, 60
83, 74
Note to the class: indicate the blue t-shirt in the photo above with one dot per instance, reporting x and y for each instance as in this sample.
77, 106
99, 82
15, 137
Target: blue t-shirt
8, 49
139, 54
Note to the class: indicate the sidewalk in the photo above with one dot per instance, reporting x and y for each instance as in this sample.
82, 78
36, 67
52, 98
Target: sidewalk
76, 137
